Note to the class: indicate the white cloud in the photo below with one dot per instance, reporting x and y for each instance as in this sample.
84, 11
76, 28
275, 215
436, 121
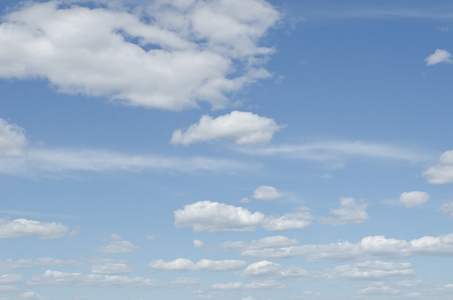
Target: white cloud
198, 244
439, 56
118, 245
442, 172
32, 295
111, 268
205, 265
378, 290
269, 269
10, 278
447, 208
57, 278
371, 246
371, 270
350, 212
245, 128
219, 217
412, 199
28, 228
297, 220
9, 265
266, 193
184, 55
12, 139
254, 285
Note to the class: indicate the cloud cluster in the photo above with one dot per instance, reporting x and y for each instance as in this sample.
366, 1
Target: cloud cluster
204, 265
350, 212
12, 139
412, 199
371, 246
442, 172
220, 217
439, 56
184, 54
28, 228
245, 128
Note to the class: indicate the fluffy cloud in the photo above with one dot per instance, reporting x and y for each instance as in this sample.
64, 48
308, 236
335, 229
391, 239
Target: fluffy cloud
371, 246
244, 128
412, 199
12, 139
29, 228
442, 172
350, 212
265, 284
117, 245
219, 217
447, 208
205, 265
10, 278
439, 56
184, 54
32, 295
266, 193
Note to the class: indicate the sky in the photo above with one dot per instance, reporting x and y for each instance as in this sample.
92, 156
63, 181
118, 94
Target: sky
226, 149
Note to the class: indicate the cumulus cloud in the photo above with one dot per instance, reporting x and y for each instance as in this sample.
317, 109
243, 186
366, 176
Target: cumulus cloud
254, 285
442, 172
205, 265
266, 193
12, 139
447, 208
9, 264
220, 217
207, 50
32, 295
245, 128
412, 199
371, 246
117, 245
350, 212
439, 56
28, 228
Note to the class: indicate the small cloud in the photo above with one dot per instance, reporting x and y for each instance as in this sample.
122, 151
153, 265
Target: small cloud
439, 56
245, 200
28, 228
150, 237
350, 212
442, 172
266, 193
412, 199
12, 139
198, 244
74, 232
447, 208
117, 245
245, 128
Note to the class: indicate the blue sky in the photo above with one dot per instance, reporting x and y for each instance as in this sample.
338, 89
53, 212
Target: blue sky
224, 149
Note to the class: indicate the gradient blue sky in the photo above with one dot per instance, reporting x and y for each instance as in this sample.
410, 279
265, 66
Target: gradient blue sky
224, 149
